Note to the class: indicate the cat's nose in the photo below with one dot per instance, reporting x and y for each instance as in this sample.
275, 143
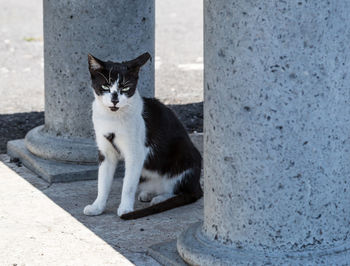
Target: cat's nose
115, 101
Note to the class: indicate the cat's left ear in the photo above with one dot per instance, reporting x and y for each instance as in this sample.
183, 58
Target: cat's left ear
95, 64
138, 62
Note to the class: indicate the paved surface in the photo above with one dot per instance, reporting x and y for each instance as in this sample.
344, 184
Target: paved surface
179, 51
178, 59
42, 224
21, 52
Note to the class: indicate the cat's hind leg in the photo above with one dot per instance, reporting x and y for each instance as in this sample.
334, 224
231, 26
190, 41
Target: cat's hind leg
161, 197
146, 196
178, 184
149, 188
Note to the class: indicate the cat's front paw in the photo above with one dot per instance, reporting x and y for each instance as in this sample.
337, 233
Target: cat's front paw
92, 210
124, 209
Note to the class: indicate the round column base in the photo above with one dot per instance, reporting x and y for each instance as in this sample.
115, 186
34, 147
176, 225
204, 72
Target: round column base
196, 249
64, 149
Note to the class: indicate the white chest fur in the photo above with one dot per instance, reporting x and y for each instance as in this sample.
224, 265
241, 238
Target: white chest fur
126, 124
129, 133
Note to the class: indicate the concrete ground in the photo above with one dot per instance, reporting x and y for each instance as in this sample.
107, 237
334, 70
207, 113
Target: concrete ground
42, 224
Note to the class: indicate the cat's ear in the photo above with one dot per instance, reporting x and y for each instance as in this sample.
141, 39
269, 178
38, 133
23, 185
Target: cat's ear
95, 64
137, 62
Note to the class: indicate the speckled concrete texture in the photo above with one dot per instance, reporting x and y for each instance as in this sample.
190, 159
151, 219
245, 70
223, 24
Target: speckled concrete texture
50, 170
110, 30
166, 253
276, 126
117, 31
198, 249
73, 149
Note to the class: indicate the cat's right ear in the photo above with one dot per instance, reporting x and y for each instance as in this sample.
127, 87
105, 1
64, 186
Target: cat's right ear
95, 64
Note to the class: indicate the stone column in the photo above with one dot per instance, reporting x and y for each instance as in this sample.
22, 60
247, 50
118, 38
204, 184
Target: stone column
110, 30
276, 135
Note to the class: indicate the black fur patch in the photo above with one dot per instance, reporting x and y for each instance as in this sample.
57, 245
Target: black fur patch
101, 157
142, 179
108, 72
172, 149
110, 137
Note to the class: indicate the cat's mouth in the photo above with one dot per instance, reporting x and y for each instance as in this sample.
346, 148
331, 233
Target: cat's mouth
114, 108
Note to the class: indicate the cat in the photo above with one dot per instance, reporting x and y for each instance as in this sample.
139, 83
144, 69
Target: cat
160, 158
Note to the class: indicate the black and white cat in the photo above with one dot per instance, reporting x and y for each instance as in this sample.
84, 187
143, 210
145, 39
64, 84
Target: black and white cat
160, 158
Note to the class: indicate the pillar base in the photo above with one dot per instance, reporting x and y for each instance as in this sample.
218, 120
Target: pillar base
196, 249
166, 253
65, 149
54, 171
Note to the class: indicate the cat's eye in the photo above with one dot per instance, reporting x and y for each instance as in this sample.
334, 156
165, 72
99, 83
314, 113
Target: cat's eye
125, 89
105, 88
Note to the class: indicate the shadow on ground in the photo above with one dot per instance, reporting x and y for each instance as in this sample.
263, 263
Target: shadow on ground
129, 238
191, 115
15, 126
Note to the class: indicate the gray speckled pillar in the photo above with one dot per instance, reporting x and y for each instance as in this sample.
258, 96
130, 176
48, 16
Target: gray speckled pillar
277, 135
110, 30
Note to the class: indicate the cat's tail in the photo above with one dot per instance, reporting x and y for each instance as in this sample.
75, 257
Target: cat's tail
174, 202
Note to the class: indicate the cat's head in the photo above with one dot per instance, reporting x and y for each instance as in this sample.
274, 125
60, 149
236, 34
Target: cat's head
115, 83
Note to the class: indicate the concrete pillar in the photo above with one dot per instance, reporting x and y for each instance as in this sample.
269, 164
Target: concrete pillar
276, 135
110, 30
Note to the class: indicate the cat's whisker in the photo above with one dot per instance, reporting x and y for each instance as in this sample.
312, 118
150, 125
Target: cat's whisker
109, 75
126, 84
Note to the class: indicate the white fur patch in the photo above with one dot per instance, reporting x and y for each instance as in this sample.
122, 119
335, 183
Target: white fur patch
158, 184
129, 130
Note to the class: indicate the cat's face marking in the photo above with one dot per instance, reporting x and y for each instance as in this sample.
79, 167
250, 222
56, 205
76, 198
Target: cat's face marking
115, 83
116, 95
